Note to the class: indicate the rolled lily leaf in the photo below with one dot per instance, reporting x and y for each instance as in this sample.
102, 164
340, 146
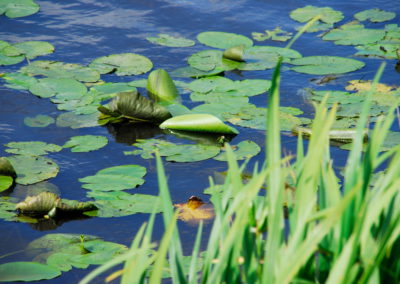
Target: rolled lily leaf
161, 87
235, 53
133, 106
50, 203
198, 123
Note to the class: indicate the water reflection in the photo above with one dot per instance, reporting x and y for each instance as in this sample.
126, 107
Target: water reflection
128, 133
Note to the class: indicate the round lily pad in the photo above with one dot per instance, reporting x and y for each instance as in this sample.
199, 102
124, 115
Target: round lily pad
31, 148
60, 87
38, 121
31, 169
73, 120
27, 271
223, 40
86, 143
29, 49
171, 41
375, 15
212, 60
305, 14
18, 8
244, 150
323, 65
122, 64
354, 36
19, 81
6, 59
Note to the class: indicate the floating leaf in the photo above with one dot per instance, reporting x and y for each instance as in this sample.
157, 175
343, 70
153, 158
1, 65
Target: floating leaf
161, 87
168, 40
305, 14
133, 106
244, 150
40, 120
212, 60
115, 178
29, 49
339, 135
340, 97
73, 120
7, 208
195, 210
235, 53
122, 64
64, 87
4, 58
33, 169
323, 65
217, 98
27, 271
276, 34
354, 35
32, 148
18, 81
5, 182
119, 203
191, 72
354, 110
375, 15
86, 143
56, 69
198, 122
223, 40
114, 88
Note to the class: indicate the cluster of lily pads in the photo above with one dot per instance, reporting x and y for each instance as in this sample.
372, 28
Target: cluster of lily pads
87, 101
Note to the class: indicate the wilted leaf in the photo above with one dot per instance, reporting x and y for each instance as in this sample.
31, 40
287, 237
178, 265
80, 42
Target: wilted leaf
86, 143
29, 49
115, 178
33, 169
32, 148
27, 271
161, 87
18, 8
323, 65
168, 40
122, 64
223, 40
244, 150
375, 15
198, 122
195, 210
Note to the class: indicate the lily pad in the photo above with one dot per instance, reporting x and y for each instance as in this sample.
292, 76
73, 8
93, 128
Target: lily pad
323, 65
73, 120
7, 208
305, 14
223, 40
5, 182
375, 15
114, 88
198, 123
5, 59
40, 120
191, 72
195, 210
32, 169
354, 35
119, 203
340, 97
27, 271
122, 64
32, 148
19, 81
115, 178
212, 60
86, 143
161, 87
62, 88
29, 49
171, 41
244, 150
18, 8
56, 69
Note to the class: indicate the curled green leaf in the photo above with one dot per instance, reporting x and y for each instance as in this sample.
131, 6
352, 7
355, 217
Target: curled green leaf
161, 87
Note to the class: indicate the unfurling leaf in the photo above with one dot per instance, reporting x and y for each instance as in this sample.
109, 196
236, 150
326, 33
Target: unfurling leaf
161, 87
235, 53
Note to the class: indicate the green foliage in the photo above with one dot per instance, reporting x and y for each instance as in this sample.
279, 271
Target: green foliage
354, 35
40, 120
63, 88
171, 41
27, 271
18, 8
327, 15
323, 65
244, 150
86, 143
375, 15
161, 87
276, 34
32, 148
122, 64
223, 40
28, 49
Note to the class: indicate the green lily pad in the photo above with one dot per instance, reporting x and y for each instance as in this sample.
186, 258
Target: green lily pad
276, 34
18, 81
29, 49
31, 169
375, 15
119, 203
174, 152
244, 150
4, 58
27, 271
305, 14
198, 123
115, 178
223, 40
56, 69
391, 140
191, 72
7, 208
114, 88
18, 8
73, 120
340, 97
354, 110
86, 143
354, 35
323, 65
218, 98
161, 87
382, 50
40, 120
5, 182
62, 88
208, 84
122, 64
264, 51
32, 148
212, 60
171, 41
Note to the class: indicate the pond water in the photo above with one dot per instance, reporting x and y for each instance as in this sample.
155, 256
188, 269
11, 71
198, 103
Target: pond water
84, 30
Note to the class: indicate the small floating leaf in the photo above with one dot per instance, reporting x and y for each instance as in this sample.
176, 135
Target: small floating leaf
323, 65
32, 169
191, 72
39, 121
161, 86
305, 14
198, 122
73, 120
340, 97
63, 87
5, 182
4, 58
18, 8
27, 271
354, 35
115, 178
19, 81
375, 15
32, 148
244, 150
212, 60
223, 40
168, 40
29, 49
86, 143
122, 64
277, 35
